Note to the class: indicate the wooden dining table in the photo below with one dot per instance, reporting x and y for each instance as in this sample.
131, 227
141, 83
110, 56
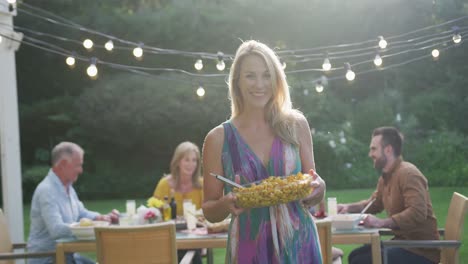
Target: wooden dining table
185, 240
359, 235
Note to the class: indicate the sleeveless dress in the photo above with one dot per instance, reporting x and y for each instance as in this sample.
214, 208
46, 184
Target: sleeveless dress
284, 233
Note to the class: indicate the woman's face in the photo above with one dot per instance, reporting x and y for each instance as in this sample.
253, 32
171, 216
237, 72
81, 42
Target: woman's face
255, 82
188, 164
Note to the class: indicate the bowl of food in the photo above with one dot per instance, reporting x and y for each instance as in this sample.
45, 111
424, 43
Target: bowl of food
346, 221
274, 190
84, 230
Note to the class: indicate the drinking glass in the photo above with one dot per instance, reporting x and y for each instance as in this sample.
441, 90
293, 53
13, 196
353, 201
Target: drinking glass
131, 207
190, 217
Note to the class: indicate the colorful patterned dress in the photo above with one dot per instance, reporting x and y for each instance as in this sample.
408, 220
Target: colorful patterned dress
277, 234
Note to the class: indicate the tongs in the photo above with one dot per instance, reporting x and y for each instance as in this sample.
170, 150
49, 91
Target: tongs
226, 180
367, 207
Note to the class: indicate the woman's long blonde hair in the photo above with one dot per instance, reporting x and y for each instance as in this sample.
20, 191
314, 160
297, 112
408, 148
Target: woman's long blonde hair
278, 111
181, 150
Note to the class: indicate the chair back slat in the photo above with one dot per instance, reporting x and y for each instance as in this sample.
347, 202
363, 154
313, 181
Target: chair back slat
324, 230
137, 244
454, 226
5, 240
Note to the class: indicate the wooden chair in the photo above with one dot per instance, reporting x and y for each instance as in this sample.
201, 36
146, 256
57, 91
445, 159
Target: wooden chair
324, 229
452, 234
155, 243
7, 256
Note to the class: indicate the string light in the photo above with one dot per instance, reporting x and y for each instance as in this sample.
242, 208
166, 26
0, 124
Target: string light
201, 91
109, 45
88, 44
70, 61
319, 87
198, 65
326, 66
382, 42
398, 117
350, 75
138, 51
92, 70
456, 35
70, 24
435, 53
220, 65
378, 60
457, 38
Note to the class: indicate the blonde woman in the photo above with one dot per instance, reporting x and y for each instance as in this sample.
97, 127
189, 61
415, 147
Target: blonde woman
184, 181
264, 137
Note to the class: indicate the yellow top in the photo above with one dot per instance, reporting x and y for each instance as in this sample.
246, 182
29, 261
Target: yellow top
164, 189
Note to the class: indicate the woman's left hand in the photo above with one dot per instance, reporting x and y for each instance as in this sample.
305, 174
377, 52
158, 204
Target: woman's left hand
318, 184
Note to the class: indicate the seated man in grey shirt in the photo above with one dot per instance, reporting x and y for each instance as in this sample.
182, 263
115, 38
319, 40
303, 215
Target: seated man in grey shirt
55, 204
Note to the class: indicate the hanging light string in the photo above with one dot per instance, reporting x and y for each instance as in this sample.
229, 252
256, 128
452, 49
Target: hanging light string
205, 55
411, 42
371, 50
66, 53
416, 44
340, 46
143, 70
440, 43
342, 77
71, 24
302, 58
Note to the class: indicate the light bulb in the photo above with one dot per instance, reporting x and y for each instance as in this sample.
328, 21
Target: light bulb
200, 91
343, 140
198, 65
456, 38
220, 65
350, 75
435, 53
109, 45
92, 70
378, 60
70, 61
382, 42
88, 44
138, 52
318, 87
398, 117
326, 66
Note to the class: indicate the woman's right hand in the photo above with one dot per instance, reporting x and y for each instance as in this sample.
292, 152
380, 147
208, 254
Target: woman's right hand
230, 203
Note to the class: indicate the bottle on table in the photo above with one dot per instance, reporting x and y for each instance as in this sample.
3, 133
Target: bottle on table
173, 205
167, 214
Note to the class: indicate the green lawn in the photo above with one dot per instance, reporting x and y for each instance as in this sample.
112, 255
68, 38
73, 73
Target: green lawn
440, 199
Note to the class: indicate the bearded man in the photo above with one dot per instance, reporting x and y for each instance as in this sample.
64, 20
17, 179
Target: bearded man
403, 192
